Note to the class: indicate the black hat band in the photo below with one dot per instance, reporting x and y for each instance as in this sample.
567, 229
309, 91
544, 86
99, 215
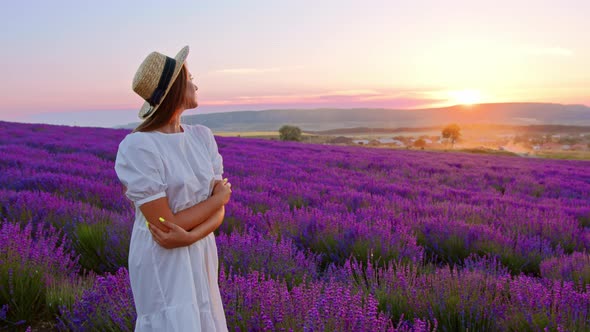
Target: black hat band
163, 83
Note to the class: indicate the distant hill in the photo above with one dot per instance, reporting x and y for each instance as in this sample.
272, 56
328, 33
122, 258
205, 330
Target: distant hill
329, 119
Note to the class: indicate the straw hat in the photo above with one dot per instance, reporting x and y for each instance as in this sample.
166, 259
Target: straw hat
154, 78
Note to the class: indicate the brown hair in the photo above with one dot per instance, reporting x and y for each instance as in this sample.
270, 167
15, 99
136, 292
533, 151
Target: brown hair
173, 100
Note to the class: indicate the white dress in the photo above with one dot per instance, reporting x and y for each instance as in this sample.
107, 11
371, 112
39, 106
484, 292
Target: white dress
173, 289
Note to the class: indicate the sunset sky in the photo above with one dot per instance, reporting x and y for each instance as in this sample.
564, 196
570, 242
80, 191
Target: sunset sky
73, 61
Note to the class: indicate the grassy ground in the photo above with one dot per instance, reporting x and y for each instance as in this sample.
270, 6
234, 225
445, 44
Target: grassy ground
576, 155
305, 137
264, 134
322, 139
490, 151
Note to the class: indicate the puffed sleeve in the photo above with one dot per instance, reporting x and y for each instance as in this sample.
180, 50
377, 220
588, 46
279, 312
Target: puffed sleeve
216, 158
140, 170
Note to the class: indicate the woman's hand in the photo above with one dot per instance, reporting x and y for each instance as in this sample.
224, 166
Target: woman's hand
222, 189
217, 183
175, 237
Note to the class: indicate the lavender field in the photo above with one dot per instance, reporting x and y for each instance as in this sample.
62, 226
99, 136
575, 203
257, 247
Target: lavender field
316, 238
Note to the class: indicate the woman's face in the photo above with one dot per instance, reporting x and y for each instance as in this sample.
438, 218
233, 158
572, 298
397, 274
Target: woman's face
190, 95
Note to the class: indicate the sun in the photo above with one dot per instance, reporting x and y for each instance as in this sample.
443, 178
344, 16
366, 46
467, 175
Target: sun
465, 97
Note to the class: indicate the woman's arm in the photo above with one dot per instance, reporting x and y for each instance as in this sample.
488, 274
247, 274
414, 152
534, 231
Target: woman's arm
191, 217
186, 219
198, 214
208, 226
177, 237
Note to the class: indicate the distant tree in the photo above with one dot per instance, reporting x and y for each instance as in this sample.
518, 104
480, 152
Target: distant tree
420, 143
290, 133
452, 132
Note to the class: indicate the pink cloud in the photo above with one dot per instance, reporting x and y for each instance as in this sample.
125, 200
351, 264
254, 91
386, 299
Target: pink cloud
337, 98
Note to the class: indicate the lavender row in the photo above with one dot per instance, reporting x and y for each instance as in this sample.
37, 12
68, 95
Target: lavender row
479, 295
300, 214
72, 187
100, 236
79, 163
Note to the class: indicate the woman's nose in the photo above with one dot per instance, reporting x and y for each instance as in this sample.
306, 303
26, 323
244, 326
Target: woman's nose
196, 88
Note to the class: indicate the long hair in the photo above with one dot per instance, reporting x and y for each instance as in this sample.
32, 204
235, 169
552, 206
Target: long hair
173, 100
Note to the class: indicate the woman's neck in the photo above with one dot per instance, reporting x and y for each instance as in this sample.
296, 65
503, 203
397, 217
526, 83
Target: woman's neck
172, 127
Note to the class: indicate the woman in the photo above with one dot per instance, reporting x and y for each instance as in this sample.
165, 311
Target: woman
172, 172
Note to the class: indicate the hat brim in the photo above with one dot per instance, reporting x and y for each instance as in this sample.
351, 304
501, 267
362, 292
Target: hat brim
146, 109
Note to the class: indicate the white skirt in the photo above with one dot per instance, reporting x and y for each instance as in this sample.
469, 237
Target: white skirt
174, 290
